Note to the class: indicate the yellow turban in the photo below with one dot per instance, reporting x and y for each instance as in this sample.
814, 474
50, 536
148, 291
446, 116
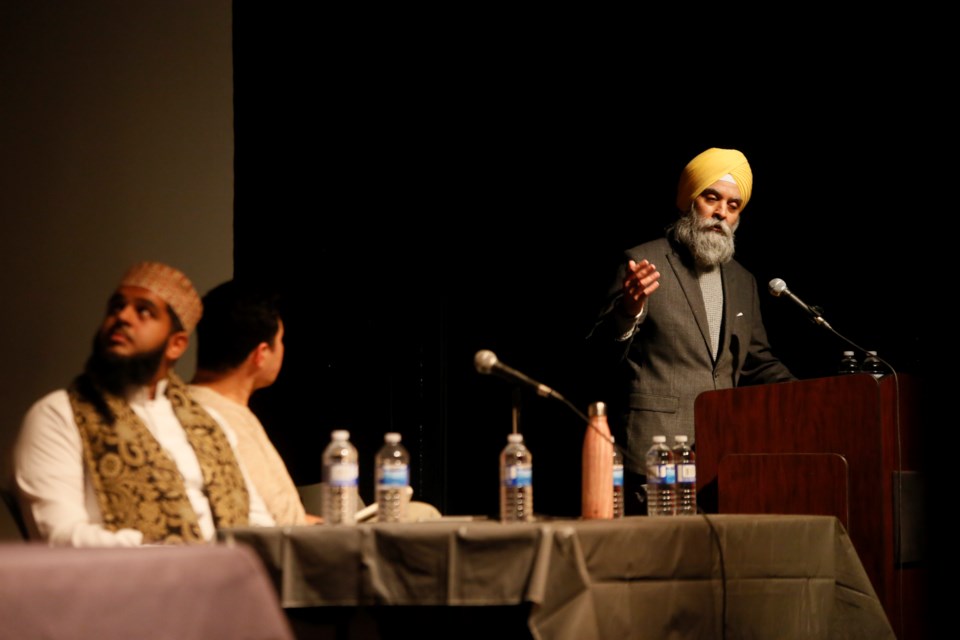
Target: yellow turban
707, 168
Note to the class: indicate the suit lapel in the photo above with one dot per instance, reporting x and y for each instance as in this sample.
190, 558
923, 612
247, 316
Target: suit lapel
691, 290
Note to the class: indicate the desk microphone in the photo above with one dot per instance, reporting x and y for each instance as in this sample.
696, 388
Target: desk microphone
487, 362
778, 288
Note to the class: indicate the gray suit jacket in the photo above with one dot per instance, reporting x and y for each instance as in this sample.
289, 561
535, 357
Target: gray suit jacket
667, 361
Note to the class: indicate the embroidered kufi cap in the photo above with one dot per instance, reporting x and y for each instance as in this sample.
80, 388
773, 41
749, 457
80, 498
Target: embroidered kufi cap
709, 167
171, 285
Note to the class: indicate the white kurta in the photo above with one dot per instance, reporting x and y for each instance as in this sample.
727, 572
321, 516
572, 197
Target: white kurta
258, 455
57, 494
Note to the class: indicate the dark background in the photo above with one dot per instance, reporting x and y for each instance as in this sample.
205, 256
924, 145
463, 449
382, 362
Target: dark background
416, 207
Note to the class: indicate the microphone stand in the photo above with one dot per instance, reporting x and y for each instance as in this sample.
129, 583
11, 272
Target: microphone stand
485, 361
818, 320
515, 410
556, 395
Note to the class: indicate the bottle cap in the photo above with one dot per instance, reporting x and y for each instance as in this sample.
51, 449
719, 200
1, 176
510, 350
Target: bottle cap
680, 438
391, 438
597, 409
659, 438
340, 434
848, 354
515, 438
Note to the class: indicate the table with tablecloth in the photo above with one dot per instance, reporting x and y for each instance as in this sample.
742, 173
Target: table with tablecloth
758, 576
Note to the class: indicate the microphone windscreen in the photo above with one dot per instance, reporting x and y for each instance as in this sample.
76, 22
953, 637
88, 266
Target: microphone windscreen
484, 361
777, 286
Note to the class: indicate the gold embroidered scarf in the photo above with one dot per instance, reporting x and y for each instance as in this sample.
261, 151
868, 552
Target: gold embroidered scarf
138, 486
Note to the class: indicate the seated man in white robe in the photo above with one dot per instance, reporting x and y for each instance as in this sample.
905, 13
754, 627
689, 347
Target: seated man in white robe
125, 456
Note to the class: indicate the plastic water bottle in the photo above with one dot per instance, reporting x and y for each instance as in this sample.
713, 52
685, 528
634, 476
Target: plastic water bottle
661, 479
848, 364
618, 509
872, 365
516, 481
686, 461
392, 479
340, 475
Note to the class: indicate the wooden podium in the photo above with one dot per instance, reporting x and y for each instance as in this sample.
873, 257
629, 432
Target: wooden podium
847, 446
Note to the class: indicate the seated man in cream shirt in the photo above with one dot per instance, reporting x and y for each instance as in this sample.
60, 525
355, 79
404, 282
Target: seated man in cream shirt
240, 350
125, 456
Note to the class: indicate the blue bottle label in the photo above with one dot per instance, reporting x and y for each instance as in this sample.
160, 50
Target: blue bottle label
394, 476
666, 474
518, 475
618, 475
342, 475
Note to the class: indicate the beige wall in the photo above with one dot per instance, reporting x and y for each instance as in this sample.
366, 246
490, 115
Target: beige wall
116, 145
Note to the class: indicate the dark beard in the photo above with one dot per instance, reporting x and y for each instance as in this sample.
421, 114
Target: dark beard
117, 374
708, 248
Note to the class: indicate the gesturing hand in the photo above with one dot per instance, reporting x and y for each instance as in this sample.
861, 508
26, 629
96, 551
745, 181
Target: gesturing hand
639, 283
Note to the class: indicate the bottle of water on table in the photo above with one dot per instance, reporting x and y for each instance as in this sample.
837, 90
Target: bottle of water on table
661, 479
848, 364
516, 481
618, 509
392, 479
686, 463
340, 475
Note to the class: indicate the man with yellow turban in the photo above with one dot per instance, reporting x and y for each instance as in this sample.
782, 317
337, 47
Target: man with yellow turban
125, 456
683, 317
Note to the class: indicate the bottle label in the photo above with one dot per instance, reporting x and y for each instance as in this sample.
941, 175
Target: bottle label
665, 474
344, 474
394, 476
518, 475
687, 473
618, 475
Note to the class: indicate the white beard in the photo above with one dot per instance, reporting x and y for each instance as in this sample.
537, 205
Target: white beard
709, 248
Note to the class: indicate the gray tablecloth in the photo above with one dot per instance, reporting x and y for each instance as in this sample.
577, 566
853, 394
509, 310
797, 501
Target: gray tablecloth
727, 576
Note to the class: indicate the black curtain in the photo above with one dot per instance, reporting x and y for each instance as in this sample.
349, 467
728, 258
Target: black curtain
415, 207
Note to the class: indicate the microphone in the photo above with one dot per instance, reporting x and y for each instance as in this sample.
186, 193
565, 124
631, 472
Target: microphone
778, 288
487, 362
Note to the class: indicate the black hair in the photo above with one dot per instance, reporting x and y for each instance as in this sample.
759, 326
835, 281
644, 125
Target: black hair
236, 318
